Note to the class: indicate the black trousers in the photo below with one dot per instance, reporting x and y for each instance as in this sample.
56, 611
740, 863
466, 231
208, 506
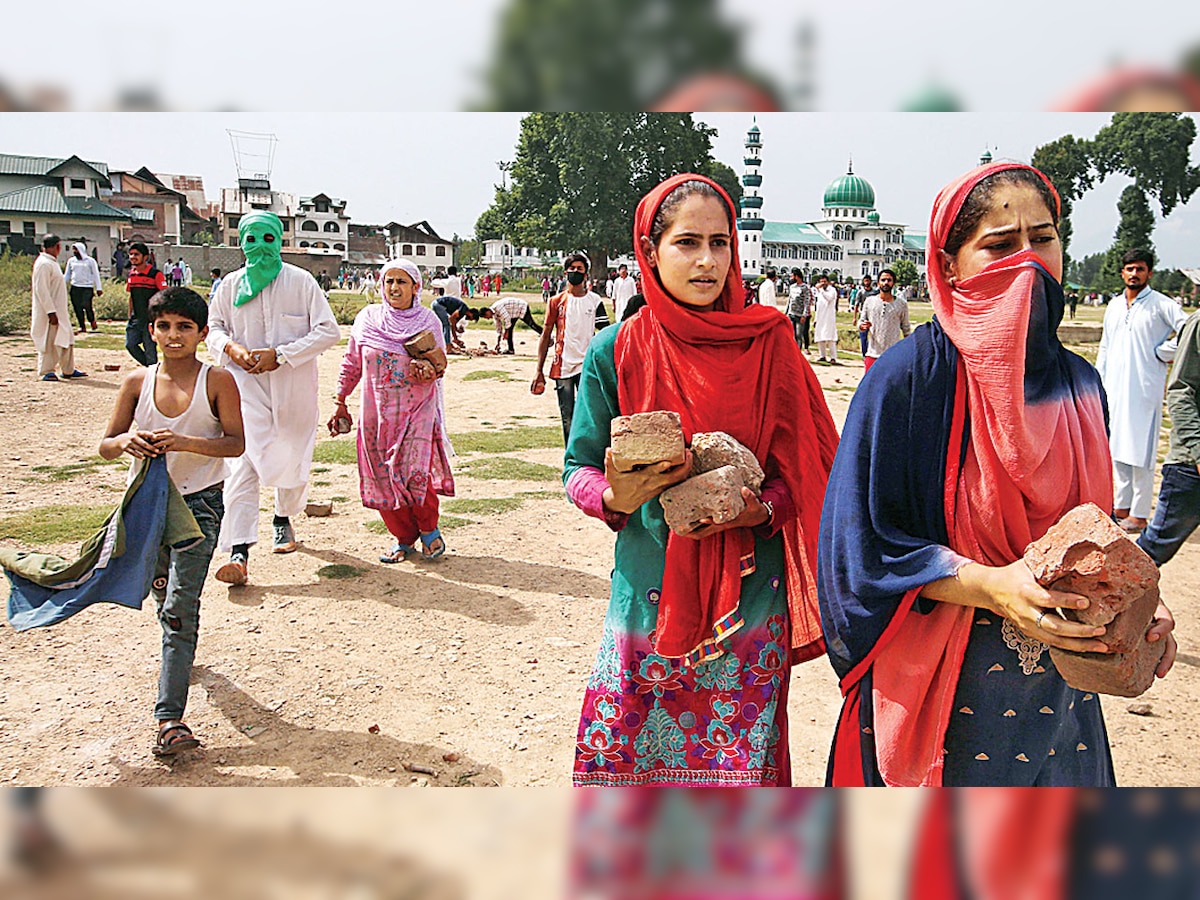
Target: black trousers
528, 320
81, 300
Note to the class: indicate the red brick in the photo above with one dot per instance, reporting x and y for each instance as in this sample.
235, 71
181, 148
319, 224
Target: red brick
713, 449
716, 494
1121, 674
420, 343
1086, 553
644, 439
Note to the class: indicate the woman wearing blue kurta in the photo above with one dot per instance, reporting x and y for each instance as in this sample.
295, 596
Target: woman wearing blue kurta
963, 445
690, 684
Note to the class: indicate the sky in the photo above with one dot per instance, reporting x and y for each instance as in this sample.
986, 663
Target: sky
441, 167
869, 55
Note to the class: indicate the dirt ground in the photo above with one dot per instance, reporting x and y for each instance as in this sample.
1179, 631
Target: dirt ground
471, 667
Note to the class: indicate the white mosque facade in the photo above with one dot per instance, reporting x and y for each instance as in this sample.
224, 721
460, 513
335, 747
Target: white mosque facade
850, 239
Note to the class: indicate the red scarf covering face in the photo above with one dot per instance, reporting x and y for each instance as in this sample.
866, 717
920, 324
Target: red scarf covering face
1026, 465
735, 369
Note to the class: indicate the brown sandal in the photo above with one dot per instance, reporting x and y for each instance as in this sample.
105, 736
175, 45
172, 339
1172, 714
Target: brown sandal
174, 737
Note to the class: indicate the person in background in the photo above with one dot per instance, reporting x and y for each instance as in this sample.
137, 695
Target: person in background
83, 282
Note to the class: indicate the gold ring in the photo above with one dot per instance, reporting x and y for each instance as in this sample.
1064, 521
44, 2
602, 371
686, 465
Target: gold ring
1041, 616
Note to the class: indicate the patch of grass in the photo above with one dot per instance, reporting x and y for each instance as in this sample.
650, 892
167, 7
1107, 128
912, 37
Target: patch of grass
489, 374
336, 452
317, 470
339, 570
375, 526
507, 468
98, 340
522, 417
483, 506
507, 440
322, 483
75, 469
449, 523
54, 524
340, 499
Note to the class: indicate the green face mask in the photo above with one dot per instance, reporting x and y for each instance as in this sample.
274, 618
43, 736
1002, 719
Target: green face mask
261, 237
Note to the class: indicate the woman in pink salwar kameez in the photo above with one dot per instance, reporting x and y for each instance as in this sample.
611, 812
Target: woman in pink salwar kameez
403, 450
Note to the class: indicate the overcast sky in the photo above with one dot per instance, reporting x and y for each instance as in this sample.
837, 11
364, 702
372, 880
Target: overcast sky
442, 166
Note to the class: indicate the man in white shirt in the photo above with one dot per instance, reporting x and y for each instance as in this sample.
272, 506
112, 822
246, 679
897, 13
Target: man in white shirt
49, 320
825, 320
571, 319
453, 285
268, 323
624, 287
766, 290
1136, 348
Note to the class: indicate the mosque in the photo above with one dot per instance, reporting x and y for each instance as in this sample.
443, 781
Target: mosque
850, 239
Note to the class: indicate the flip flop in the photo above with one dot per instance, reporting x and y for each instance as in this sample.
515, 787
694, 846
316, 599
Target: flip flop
397, 554
431, 537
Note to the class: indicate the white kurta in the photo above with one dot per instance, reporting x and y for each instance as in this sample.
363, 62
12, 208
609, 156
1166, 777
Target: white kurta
1135, 352
279, 408
49, 296
825, 317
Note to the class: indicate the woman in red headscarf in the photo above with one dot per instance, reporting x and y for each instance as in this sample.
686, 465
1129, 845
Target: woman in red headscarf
690, 684
961, 446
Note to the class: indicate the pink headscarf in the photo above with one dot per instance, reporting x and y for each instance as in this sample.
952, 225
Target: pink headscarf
382, 326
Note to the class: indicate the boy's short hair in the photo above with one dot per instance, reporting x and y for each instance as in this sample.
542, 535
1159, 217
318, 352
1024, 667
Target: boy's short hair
49, 240
1138, 254
888, 272
215, 272
181, 301
140, 247
798, 272
453, 270
577, 257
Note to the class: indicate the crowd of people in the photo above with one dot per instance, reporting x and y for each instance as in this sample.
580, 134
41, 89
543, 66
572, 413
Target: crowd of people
894, 549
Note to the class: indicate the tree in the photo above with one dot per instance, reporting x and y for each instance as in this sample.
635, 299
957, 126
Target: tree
906, 272
1067, 162
1154, 149
577, 178
490, 226
725, 177
468, 252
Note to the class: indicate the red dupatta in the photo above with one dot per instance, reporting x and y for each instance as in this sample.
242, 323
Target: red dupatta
734, 369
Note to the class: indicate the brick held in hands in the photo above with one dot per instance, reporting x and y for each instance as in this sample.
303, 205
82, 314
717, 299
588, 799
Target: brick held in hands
713, 449
437, 356
716, 494
1086, 553
1120, 674
420, 343
644, 439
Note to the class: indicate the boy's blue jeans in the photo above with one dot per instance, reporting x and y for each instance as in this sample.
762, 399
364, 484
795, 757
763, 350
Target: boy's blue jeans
178, 581
1177, 513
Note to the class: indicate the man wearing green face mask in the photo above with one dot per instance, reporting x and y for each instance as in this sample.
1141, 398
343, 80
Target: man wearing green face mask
268, 323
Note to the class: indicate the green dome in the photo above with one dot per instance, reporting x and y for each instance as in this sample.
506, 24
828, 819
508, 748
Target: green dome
850, 190
873, 218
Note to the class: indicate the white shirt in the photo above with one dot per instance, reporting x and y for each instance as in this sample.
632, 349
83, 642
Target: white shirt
1135, 350
622, 291
49, 296
279, 408
766, 293
825, 315
453, 286
578, 332
82, 272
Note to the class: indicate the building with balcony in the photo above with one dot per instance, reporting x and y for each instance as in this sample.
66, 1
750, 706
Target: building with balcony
322, 226
418, 242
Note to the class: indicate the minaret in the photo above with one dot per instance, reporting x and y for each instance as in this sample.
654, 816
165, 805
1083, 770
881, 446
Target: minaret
750, 223
986, 157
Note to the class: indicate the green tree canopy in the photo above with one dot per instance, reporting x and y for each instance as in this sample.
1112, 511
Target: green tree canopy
1067, 162
577, 177
906, 272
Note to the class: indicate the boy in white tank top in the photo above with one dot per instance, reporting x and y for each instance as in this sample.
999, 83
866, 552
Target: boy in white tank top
191, 412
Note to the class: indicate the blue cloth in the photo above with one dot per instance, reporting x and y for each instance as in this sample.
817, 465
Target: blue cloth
127, 577
883, 525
